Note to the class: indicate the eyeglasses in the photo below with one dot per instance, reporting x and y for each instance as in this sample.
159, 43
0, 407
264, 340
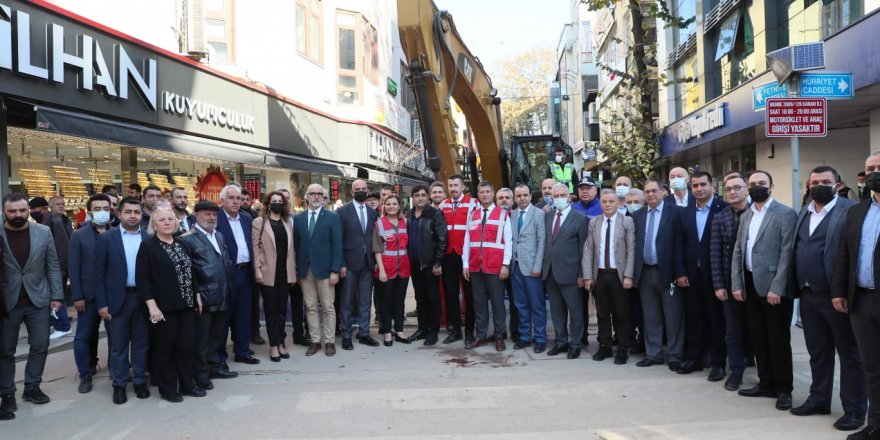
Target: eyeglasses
736, 188
315, 194
651, 191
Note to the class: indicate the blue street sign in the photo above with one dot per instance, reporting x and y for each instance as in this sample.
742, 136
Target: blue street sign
761, 93
826, 85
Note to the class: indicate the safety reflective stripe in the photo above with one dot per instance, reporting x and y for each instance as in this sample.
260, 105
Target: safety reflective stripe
397, 253
487, 244
457, 227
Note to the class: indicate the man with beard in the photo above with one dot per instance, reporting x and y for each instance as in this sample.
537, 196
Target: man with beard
179, 203
152, 194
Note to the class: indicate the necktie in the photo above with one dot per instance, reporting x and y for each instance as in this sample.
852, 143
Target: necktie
363, 219
557, 224
608, 245
312, 221
519, 221
485, 213
649, 239
454, 206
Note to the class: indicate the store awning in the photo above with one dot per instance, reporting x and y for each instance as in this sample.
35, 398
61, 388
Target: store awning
311, 165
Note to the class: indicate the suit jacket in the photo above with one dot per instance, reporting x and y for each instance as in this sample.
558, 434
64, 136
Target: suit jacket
226, 231
844, 280
529, 242
724, 226
322, 252
563, 255
771, 252
691, 201
667, 245
266, 253
624, 236
81, 262
112, 270
41, 274
432, 235
836, 223
696, 256
212, 272
157, 277
357, 244
61, 232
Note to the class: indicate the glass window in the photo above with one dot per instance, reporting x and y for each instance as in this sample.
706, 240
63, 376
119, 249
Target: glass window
315, 36
308, 29
686, 9
215, 28
220, 29
221, 51
347, 59
215, 5
838, 14
300, 28
350, 57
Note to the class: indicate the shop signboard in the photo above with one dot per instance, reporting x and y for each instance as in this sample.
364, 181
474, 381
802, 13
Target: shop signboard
796, 117
210, 184
253, 185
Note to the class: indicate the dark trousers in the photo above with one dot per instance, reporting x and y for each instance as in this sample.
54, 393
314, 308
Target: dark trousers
36, 321
770, 328
487, 287
663, 311
240, 314
174, 351
427, 299
528, 296
513, 314
452, 279
210, 340
704, 324
737, 339
297, 313
827, 330
337, 305
255, 310
635, 309
586, 306
865, 317
129, 342
566, 306
85, 341
272, 297
612, 301
390, 298
355, 302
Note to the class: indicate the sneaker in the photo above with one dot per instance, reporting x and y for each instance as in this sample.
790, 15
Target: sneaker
59, 334
34, 395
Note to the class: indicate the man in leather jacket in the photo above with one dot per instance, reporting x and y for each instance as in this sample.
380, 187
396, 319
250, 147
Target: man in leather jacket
426, 249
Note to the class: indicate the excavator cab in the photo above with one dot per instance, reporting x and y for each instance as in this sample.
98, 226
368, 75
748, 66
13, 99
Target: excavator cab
530, 158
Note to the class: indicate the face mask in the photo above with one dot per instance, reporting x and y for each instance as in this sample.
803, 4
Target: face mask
37, 215
622, 191
633, 207
861, 186
16, 222
360, 196
560, 203
277, 208
873, 181
558, 159
678, 183
548, 200
822, 194
101, 218
759, 193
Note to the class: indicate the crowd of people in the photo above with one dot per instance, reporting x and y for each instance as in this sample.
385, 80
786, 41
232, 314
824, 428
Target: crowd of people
678, 274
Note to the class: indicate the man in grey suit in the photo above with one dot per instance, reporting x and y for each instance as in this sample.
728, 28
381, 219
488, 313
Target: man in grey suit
760, 272
566, 231
528, 289
31, 285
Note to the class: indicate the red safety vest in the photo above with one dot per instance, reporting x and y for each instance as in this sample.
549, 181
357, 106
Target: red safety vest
394, 256
487, 242
456, 223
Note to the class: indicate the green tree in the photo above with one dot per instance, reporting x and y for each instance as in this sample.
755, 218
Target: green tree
522, 83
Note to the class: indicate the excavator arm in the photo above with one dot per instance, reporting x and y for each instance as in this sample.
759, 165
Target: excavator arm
441, 67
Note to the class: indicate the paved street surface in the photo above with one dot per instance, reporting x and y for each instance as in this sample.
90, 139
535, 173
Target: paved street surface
412, 391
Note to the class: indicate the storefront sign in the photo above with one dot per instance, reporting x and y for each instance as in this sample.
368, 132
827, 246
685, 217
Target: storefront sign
252, 184
791, 117
17, 51
334, 189
210, 184
207, 113
697, 125
392, 87
392, 151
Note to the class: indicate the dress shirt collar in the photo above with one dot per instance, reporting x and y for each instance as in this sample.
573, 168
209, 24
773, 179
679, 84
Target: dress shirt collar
357, 206
125, 231
315, 211
707, 205
230, 217
825, 209
209, 234
754, 207
659, 207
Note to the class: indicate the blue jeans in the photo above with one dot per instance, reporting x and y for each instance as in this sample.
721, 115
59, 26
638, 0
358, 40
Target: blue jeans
528, 297
85, 341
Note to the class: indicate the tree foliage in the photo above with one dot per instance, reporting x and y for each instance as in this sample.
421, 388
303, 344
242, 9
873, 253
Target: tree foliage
522, 83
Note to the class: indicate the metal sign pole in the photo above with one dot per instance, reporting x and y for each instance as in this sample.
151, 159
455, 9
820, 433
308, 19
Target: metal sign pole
795, 151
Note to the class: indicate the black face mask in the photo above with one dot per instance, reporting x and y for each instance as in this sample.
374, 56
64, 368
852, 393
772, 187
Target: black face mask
37, 215
277, 208
872, 181
759, 193
18, 222
360, 196
822, 194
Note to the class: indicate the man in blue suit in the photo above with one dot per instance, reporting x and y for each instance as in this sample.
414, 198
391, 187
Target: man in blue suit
235, 226
119, 303
318, 242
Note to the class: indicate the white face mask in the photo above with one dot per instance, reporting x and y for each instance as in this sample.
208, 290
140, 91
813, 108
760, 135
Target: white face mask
622, 191
560, 203
678, 183
101, 218
633, 207
558, 159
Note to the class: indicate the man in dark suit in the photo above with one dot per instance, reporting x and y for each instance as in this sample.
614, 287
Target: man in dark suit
118, 301
61, 227
819, 230
31, 286
760, 272
705, 317
565, 231
680, 190
235, 227
864, 191
357, 223
658, 241
318, 242
855, 284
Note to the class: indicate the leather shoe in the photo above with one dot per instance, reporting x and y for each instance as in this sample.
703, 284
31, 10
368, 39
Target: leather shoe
647, 362
258, 340
674, 366
756, 391
302, 341
452, 337
869, 433
783, 402
346, 344
329, 349
519, 345
174, 398
195, 392
142, 391
34, 395
809, 408
401, 340
7, 403
540, 347
6, 415
574, 353
734, 381
431, 339
717, 374
638, 348
689, 367
558, 349
850, 421
621, 357
85, 384
250, 360
476, 343
205, 384
119, 396
417, 336
222, 374
366, 340
500, 345
602, 354
314, 348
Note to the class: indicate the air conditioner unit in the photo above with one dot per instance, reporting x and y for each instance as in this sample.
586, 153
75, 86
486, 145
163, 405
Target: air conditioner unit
196, 46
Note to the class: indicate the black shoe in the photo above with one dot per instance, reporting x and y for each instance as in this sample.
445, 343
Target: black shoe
346, 344
621, 357
401, 340
302, 341
638, 348
809, 408
275, 358
717, 374
119, 396
452, 337
850, 421
388, 343
689, 367
204, 384
602, 354
85, 384
417, 336
7, 403
674, 366
366, 340
647, 362
734, 381
223, 374
757, 391
257, 339
142, 391
35, 395
431, 339
174, 398
574, 353
869, 433
250, 360
540, 347
6, 415
284, 355
558, 349
519, 345
783, 402
195, 392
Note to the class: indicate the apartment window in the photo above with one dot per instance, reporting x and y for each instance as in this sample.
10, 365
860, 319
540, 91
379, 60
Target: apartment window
308, 29
838, 14
349, 64
370, 42
407, 100
220, 29
685, 9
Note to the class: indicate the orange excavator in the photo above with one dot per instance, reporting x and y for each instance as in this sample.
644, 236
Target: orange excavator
442, 69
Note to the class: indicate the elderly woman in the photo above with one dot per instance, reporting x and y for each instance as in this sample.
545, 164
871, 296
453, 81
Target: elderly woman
165, 281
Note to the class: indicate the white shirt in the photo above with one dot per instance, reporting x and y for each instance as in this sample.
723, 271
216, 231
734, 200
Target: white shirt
601, 255
754, 227
506, 236
238, 232
565, 213
357, 210
683, 201
212, 237
816, 217
184, 225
